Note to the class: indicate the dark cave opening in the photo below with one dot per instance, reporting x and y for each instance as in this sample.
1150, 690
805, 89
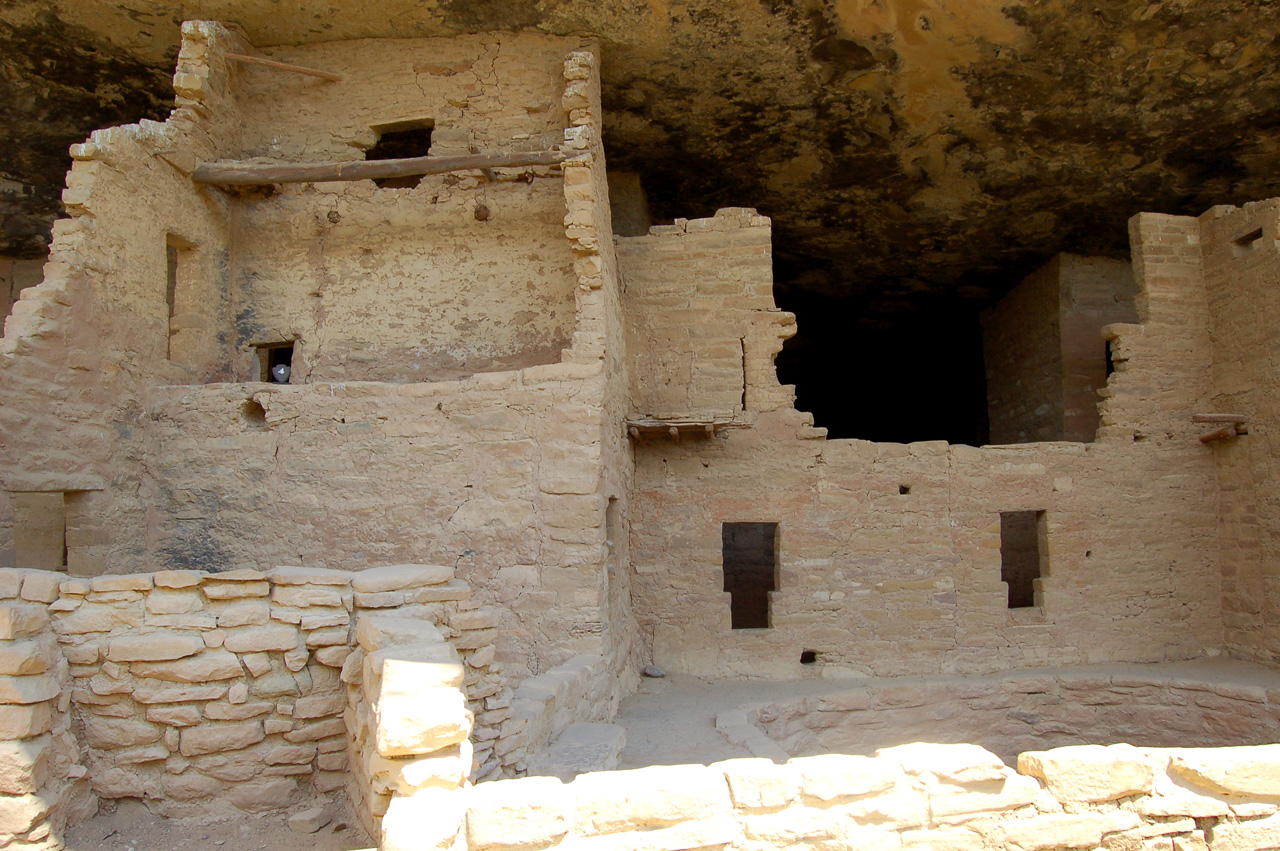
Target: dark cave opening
911, 375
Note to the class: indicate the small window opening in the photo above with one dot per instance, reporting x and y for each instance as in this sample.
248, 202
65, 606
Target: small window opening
275, 363
612, 532
1020, 555
808, 657
177, 271
401, 141
39, 530
1111, 361
750, 571
903, 490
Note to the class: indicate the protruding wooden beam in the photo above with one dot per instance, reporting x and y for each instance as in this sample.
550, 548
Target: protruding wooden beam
265, 174
1225, 433
284, 66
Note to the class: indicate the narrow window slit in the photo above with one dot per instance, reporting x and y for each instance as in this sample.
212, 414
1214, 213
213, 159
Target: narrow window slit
401, 141
275, 363
1020, 556
750, 571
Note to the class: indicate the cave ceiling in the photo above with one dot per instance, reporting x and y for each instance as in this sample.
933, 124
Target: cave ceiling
906, 150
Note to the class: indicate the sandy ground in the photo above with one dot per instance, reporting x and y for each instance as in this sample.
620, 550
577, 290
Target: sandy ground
127, 825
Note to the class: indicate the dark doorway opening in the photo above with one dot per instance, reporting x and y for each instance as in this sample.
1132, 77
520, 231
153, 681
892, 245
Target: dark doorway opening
1020, 555
750, 571
895, 377
397, 142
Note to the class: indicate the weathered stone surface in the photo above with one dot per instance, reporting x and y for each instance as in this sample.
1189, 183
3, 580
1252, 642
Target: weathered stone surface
258, 639
830, 777
25, 690
153, 647
963, 764
200, 668
1246, 771
21, 621
374, 632
761, 784
309, 820
426, 720
213, 738
21, 721
20, 813
529, 813
22, 658
1259, 835
309, 576
398, 577
105, 733
177, 694
1090, 772
646, 797
427, 821
23, 765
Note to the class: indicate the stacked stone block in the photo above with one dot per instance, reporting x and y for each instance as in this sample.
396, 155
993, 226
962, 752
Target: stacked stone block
581, 689
43, 785
909, 798
192, 689
421, 674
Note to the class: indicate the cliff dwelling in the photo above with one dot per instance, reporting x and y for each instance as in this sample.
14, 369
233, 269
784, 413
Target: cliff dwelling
418, 429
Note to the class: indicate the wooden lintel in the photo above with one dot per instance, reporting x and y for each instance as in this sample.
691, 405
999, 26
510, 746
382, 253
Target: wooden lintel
265, 174
1224, 433
284, 66
1231, 419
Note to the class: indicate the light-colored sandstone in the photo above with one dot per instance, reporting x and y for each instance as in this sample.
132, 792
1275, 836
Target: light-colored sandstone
1090, 772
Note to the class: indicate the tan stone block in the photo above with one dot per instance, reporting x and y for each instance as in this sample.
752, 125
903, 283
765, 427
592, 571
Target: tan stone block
167, 602
21, 621
153, 647
829, 777
178, 579
325, 620
1247, 772
177, 694
454, 589
262, 638
125, 582
1057, 830
1090, 773
759, 783
330, 637
10, 583
25, 721
41, 586
374, 632
257, 663
25, 690
319, 706
201, 668
140, 755
20, 813
21, 658
399, 577
23, 765
512, 814
955, 763
264, 794
190, 786
250, 613
109, 733
316, 730
289, 755
422, 722
404, 669
427, 821
942, 839
303, 596
296, 659
92, 617
953, 804
289, 575
234, 590
333, 657
647, 797
117, 783
213, 738
174, 716
233, 767
243, 575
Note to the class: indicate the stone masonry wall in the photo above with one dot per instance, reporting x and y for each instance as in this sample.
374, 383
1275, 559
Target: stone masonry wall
1023, 360
1095, 292
907, 798
890, 554
1242, 270
700, 315
198, 691
44, 784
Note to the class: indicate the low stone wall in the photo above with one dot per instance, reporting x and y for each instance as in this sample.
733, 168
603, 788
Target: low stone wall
958, 797
582, 689
1023, 712
191, 689
43, 783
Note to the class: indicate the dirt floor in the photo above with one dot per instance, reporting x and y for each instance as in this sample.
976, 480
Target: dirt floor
127, 825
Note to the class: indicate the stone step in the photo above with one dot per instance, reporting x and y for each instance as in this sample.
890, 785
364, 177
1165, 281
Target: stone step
582, 747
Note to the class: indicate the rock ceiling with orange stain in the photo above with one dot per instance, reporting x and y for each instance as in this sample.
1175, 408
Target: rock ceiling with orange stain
907, 150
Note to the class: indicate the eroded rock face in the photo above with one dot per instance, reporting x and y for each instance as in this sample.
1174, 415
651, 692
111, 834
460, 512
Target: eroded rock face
902, 147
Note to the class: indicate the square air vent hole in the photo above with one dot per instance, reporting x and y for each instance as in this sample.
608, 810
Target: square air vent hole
904, 489
808, 657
